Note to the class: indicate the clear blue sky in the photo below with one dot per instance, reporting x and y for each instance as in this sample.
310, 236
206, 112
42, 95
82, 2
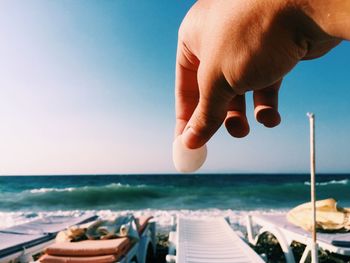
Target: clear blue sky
87, 87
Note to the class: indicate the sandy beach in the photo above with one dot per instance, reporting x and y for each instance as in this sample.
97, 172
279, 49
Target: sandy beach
267, 246
231, 196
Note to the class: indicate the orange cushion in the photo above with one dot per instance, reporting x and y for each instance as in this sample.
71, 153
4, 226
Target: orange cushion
90, 248
98, 259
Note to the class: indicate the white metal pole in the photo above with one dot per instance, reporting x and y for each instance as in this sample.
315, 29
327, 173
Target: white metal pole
314, 248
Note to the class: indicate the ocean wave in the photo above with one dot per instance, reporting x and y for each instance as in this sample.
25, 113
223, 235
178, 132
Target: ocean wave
344, 182
46, 190
86, 188
112, 196
125, 195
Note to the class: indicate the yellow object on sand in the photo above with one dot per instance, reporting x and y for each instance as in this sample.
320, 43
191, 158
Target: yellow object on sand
329, 217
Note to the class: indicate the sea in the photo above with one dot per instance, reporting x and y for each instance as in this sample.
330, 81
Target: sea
164, 196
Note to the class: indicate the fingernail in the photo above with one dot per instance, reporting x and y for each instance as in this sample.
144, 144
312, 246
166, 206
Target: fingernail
187, 135
189, 138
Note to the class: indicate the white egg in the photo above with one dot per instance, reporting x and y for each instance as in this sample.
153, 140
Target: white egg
187, 160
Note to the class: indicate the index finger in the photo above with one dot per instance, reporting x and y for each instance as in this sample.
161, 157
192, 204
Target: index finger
186, 87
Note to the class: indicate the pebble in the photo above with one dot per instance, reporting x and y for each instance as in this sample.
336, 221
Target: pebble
187, 160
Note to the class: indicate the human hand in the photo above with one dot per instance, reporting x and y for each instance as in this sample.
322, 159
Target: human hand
229, 47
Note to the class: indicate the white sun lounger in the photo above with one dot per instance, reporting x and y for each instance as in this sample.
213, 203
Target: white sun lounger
209, 240
22, 241
286, 233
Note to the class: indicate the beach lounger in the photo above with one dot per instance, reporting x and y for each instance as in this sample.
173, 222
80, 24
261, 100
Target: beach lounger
22, 241
121, 250
285, 232
209, 240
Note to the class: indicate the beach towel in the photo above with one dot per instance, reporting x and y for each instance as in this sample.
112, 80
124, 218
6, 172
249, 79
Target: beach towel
329, 216
122, 226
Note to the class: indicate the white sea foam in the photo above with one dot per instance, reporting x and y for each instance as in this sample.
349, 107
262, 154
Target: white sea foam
112, 185
46, 190
8, 219
70, 189
163, 218
344, 181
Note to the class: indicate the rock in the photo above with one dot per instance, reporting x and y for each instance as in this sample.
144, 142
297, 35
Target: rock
187, 160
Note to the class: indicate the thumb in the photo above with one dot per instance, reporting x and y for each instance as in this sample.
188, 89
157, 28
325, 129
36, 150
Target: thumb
211, 111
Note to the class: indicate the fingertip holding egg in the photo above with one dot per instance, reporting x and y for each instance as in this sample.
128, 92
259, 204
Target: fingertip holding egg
187, 160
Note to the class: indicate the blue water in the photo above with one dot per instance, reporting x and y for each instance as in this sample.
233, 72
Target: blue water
167, 192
